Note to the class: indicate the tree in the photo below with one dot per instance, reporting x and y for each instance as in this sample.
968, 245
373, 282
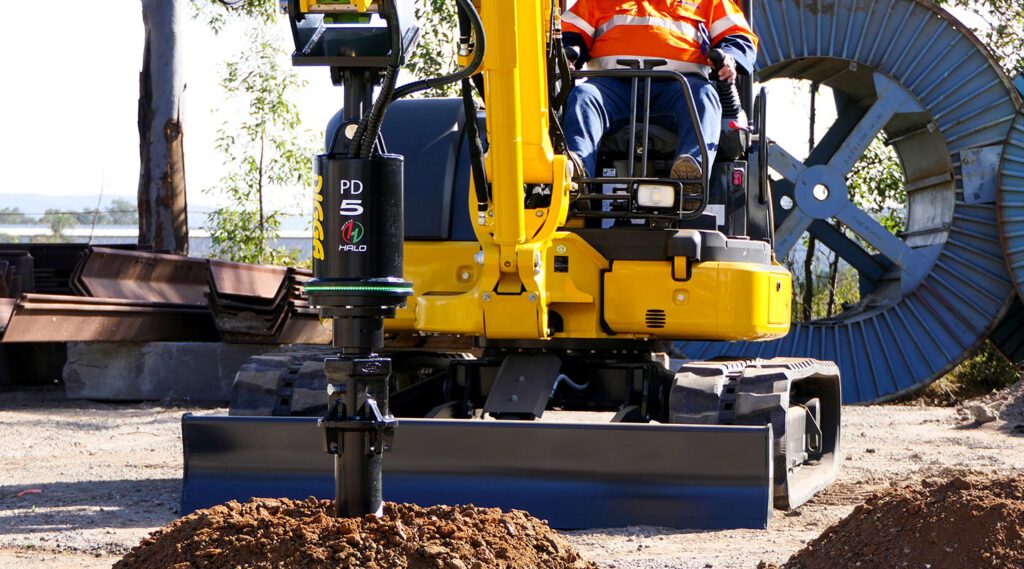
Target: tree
877, 185
1004, 34
14, 216
59, 222
163, 222
268, 150
435, 54
90, 217
122, 212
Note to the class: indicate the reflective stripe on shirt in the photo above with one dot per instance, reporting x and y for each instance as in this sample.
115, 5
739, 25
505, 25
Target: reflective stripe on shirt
579, 23
625, 20
722, 24
611, 62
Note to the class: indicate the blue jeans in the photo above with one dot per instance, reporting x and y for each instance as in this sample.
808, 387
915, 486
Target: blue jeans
596, 105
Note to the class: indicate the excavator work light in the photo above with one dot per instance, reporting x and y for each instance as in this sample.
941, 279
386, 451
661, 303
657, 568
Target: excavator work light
656, 195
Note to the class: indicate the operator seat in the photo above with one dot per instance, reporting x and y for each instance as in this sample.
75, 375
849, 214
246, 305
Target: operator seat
663, 139
614, 151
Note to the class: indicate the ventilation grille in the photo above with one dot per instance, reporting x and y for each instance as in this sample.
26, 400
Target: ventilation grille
655, 318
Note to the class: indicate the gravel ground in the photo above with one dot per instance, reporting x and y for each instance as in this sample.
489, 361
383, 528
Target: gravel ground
95, 479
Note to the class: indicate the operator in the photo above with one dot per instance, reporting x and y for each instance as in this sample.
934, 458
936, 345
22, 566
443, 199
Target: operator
681, 32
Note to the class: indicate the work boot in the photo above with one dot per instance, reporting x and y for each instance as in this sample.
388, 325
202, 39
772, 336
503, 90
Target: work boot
576, 173
686, 168
576, 164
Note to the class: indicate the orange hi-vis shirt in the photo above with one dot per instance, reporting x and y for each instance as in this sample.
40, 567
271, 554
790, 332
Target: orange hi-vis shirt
654, 29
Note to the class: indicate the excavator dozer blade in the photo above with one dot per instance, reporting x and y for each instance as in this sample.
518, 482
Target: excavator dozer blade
575, 475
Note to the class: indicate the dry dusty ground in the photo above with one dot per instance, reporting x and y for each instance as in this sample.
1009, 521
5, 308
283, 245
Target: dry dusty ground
109, 474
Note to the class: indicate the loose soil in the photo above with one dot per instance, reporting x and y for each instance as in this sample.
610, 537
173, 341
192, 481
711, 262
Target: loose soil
1005, 407
962, 523
109, 475
271, 533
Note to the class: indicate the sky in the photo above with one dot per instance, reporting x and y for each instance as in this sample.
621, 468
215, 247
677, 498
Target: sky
70, 96
68, 118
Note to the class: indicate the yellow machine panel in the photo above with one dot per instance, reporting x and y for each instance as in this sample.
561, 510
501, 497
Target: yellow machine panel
590, 297
719, 300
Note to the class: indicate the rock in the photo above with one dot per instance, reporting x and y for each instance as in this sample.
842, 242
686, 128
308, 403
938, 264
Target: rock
982, 413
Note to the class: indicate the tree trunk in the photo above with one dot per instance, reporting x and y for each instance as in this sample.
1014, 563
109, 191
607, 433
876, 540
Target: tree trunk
833, 279
163, 222
808, 306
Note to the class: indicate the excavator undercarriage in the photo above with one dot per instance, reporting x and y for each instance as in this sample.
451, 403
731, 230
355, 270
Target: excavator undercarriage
714, 445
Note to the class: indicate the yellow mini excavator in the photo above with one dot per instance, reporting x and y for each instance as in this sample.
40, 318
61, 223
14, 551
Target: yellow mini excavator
477, 280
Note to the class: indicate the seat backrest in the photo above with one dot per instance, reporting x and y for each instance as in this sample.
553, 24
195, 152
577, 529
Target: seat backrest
662, 139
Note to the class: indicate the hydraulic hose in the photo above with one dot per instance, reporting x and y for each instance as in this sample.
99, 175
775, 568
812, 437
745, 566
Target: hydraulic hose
562, 378
369, 128
467, 71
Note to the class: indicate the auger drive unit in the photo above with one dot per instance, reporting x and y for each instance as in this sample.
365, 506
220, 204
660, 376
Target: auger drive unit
516, 315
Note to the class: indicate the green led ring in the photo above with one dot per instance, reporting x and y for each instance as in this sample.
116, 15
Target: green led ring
359, 288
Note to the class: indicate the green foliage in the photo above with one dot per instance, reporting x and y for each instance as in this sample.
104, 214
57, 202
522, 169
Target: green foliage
122, 212
59, 222
89, 216
13, 216
834, 286
216, 14
234, 239
877, 186
267, 152
435, 54
985, 371
1004, 34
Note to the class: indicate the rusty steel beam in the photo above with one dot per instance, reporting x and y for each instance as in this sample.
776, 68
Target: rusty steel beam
6, 310
58, 318
305, 328
141, 276
263, 304
256, 282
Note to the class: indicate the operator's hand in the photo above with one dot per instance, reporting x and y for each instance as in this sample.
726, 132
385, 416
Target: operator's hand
728, 69
572, 54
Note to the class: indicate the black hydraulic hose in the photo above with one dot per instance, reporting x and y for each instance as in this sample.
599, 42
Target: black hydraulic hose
476, 149
465, 72
369, 127
375, 118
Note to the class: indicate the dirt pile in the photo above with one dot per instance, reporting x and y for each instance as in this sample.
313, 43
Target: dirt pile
271, 533
958, 523
1006, 404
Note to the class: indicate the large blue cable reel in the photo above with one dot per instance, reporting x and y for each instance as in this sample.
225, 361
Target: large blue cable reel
928, 296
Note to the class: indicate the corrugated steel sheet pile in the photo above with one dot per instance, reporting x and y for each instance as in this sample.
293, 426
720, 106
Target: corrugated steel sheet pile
64, 293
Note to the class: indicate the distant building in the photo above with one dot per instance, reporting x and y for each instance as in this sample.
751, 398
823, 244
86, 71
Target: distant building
199, 242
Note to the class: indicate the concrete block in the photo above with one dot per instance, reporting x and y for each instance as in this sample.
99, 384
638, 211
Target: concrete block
155, 371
